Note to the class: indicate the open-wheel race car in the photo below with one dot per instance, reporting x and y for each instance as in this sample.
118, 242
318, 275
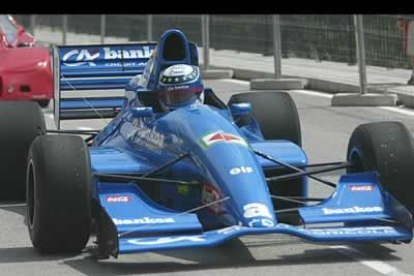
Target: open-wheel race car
25, 68
179, 168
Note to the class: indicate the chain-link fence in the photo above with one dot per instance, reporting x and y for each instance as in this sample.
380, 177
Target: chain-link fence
325, 41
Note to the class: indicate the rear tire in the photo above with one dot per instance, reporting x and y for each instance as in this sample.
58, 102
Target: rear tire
59, 194
278, 118
21, 122
386, 147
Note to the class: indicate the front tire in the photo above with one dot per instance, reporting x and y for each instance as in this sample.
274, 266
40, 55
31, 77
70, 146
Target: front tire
388, 148
59, 192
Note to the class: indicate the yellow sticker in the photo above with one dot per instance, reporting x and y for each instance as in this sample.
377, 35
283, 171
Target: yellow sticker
182, 189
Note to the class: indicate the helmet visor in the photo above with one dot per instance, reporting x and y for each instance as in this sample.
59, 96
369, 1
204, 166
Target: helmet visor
178, 97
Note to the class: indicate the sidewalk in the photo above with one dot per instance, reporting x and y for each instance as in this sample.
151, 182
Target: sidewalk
327, 76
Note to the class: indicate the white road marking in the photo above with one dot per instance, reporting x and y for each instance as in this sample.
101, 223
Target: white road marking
364, 259
401, 110
12, 205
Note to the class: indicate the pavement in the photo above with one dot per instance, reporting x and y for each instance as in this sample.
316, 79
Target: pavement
325, 134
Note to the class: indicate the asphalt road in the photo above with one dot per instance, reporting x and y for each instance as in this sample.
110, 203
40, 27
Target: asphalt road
326, 131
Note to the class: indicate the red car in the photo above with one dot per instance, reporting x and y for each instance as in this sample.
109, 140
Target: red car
25, 69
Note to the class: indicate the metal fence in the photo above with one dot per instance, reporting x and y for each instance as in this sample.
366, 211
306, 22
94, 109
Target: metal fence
329, 40
319, 37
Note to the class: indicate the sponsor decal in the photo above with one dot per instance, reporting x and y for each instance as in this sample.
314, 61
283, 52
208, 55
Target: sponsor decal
242, 169
210, 194
361, 231
167, 240
351, 210
178, 70
252, 210
229, 230
180, 73
361, 188
144, 220
118, 199
109, 53
148, 136
261, 222
85, 56
221, 137
178, 87
268, 222
183, 189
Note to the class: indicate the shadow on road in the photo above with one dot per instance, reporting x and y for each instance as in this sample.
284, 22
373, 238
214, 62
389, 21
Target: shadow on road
28, 254
232, 255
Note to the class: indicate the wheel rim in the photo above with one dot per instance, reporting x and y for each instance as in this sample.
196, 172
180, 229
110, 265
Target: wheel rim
30, 195
356, 160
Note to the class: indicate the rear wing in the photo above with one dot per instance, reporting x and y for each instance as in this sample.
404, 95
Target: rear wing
94, 67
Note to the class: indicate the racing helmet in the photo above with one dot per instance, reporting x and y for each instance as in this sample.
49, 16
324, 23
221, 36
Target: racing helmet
180, 85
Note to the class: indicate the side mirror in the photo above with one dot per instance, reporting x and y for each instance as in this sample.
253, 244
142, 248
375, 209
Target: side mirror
238, 109
145, 111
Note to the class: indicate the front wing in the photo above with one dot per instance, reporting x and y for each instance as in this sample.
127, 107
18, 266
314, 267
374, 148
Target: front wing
217, 237
359, 210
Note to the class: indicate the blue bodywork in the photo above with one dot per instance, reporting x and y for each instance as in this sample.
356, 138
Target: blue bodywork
141, 138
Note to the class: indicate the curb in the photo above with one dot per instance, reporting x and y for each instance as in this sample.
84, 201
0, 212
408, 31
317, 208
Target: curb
213, 74
405, 98
369, 99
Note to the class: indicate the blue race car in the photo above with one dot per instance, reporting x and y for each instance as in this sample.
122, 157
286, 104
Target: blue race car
179, 168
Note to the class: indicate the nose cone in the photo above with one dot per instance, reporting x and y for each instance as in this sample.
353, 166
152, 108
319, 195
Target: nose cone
228, 163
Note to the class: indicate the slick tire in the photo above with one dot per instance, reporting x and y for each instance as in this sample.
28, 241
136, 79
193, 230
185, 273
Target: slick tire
385, 147
278, 118
59, 194
20, 123
275, 112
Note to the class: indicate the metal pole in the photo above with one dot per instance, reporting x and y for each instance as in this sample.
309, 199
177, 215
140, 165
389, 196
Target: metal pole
359, 33
33, 24
64, 28
277, 46
103, 28
149, 27
205, 40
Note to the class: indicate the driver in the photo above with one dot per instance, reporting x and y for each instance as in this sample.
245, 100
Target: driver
180, 85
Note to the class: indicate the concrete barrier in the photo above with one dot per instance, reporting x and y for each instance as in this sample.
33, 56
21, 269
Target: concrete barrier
369, 99
278, 84
217, 74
